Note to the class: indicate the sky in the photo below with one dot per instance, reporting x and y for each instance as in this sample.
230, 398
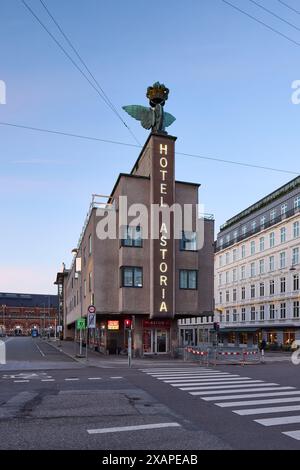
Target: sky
230, 84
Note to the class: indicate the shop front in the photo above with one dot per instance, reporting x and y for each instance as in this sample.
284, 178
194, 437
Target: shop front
156, 336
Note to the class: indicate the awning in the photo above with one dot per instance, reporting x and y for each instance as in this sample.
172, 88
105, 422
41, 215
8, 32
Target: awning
239, 330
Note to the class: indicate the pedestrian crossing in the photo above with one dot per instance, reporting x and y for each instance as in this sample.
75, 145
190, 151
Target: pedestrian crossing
243, 395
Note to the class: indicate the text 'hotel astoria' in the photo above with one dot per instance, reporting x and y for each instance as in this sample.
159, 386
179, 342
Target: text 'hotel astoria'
150, 280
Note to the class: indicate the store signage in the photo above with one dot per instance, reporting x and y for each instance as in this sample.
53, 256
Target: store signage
162, 196
156, 324
113, 325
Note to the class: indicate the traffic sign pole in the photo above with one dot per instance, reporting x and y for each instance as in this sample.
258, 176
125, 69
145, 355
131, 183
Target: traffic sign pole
129, 348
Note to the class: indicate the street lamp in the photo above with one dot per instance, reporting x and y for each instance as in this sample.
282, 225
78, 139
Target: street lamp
3, 315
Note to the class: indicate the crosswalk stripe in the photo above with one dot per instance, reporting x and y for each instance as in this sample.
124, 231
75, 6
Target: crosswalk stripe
198, 377
207, 379
278, 421
223, 392
225, 387
219, 374
232, 404
253, 395
272, 409
207, 385
293, 434
182, 369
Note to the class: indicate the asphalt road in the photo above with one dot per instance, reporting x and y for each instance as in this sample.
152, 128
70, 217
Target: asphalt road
172, 406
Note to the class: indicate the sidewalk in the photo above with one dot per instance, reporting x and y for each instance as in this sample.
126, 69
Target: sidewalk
96, 359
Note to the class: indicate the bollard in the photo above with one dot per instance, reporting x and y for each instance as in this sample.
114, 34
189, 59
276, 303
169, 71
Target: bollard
2, 353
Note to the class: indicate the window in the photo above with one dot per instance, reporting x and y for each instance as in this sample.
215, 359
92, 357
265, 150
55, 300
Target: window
132, 277
90, 244
271, 263
131, 236
282, 285
252, 248
227, 296
272, 215
90, 282
234, 255
296, 229
296, 309
234, 314
227, 258
188, 279
272, 312
272, 287
244, 229
234, 275
227, 238
262, 312
296, 281
282, 258
252, 314
220, 261
252, 290
283, 310
262, 289
188, 241
261, 266
243, 251
252, 269
220, 297
220, 279
243, 272
282, 235
261, 243
227, 316
243, 314
234, 295
284, 209
84, 288
235, 235
297, 202
253, 226
227, 277
295, 256
262, 222
221, 242
272, 239
243, 293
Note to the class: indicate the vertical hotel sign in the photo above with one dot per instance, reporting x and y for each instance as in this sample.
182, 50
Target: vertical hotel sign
162, 262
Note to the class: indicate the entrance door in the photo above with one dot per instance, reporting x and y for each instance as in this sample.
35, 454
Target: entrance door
155, 341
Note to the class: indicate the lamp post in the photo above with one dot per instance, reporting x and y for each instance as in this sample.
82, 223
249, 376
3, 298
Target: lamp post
3, 316
78, 267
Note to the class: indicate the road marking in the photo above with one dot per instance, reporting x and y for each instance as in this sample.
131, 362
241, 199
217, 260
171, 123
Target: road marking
48, 380
293, 434
223, 392
195, 376
273, 409
21, 381
253, 395
225, 387
40, 351
116, 377
133, 428
199, 386
210, 379
189, 374
232, 404
94, 378
71, 379
183, 369
278, 421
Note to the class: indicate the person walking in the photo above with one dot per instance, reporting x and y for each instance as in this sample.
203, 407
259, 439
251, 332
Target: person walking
263, 345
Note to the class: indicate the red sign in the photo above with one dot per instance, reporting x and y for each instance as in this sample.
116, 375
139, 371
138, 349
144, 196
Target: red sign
156, 324
92, 309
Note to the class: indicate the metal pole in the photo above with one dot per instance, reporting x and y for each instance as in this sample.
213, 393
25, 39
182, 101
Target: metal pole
80, 342
87, 343
129, 348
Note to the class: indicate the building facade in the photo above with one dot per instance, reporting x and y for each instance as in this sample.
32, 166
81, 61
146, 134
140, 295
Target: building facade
20, 313
150, 281
257, 271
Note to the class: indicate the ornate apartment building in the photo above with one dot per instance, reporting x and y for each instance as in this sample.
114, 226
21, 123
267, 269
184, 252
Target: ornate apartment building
257, 263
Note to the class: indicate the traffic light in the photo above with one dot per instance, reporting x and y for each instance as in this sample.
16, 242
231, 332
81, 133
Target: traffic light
127, 324
216, 326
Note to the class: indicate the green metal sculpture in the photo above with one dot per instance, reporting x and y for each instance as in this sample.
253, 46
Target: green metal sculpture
154, 117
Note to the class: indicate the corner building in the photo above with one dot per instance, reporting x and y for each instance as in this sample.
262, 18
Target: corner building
152, 282
257, 271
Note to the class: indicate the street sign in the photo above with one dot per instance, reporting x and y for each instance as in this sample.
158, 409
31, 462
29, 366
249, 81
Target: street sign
92, 309
91, 320
80, 324
59, 328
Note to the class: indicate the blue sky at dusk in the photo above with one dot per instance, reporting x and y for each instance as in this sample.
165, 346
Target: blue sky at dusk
230, 90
